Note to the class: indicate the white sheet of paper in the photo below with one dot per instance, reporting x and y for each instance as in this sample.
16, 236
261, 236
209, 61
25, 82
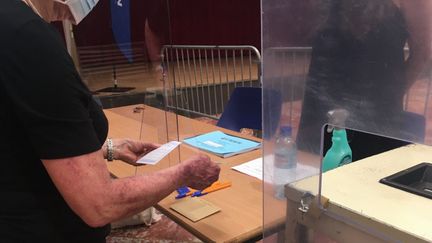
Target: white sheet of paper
252, 168
158, 154
301, 171
255, 168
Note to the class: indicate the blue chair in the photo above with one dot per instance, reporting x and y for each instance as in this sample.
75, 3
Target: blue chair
243, 110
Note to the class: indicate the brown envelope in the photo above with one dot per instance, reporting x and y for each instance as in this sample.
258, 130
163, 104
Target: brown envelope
194, 208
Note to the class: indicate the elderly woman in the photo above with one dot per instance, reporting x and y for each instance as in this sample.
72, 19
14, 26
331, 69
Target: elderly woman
54, 185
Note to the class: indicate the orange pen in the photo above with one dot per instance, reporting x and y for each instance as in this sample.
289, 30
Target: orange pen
214, 187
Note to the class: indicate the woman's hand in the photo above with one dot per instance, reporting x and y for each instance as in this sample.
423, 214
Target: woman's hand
200, 172
129, 150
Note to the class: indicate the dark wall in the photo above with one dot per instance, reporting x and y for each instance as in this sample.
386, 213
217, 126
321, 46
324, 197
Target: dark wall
233, 22
289, 22
95, 29
217, 22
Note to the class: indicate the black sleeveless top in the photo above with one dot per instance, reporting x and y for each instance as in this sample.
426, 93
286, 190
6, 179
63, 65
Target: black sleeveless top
47, 113
357, 64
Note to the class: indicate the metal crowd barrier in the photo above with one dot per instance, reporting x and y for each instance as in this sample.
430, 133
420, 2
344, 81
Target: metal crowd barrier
200, 78
288, 68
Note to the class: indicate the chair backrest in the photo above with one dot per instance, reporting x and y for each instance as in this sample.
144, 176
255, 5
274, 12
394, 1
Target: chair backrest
243, 110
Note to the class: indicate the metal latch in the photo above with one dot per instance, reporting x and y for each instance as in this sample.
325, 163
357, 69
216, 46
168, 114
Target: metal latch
305, 202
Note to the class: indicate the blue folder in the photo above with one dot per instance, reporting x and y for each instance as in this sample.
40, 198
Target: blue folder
222, 144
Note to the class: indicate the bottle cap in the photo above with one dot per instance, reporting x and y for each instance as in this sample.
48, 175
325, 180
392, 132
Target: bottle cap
285, 130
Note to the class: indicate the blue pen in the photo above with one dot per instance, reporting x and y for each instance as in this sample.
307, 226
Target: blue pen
184, 192
198, 194
214, 187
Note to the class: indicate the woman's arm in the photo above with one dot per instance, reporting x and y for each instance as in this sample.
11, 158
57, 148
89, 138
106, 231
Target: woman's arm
128, 150
87, 187
418, 17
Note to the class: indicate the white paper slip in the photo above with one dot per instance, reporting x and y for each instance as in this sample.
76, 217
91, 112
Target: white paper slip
158, 154
255, 168
301, 171
252, 168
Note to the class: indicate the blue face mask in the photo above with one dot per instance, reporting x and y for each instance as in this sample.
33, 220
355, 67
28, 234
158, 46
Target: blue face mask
79, 8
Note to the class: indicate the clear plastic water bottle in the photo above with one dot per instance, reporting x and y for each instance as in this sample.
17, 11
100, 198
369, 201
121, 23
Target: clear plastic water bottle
285, 160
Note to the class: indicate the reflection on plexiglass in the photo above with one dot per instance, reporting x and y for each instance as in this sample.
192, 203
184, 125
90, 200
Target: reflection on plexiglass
354, 81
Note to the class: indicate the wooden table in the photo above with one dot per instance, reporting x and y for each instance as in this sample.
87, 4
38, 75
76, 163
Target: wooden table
241, 216
363, 210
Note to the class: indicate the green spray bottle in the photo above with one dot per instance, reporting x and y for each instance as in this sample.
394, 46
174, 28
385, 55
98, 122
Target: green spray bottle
340, 152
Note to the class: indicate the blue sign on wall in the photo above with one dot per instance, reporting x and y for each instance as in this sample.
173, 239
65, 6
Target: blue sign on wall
120, 23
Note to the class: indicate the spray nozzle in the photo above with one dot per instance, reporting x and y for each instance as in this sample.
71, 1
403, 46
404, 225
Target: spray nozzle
336, 118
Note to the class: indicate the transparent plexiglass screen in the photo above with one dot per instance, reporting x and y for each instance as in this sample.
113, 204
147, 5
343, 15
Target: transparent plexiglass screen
117, 50
351, 80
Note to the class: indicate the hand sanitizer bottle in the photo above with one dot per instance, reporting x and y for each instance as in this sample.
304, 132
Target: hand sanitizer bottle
285, 160
340, 152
